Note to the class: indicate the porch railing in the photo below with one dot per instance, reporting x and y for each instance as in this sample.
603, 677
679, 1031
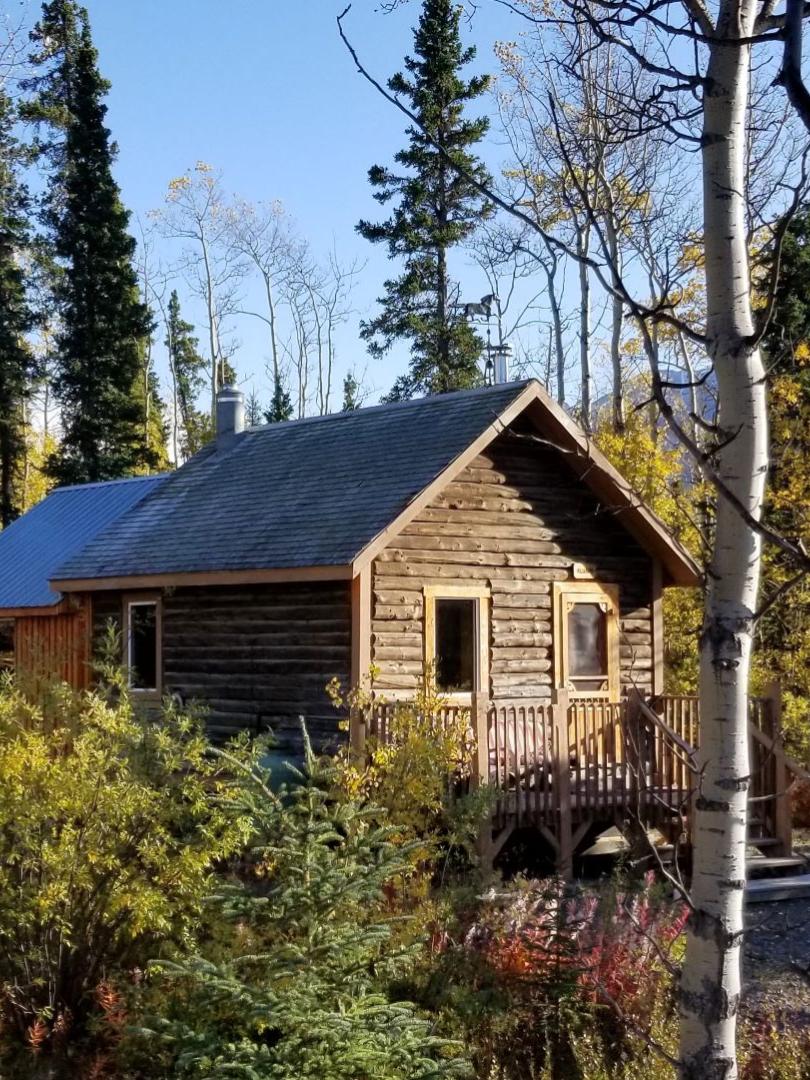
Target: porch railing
557, 764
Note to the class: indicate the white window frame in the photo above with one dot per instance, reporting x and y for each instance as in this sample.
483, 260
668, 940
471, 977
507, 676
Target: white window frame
133, 600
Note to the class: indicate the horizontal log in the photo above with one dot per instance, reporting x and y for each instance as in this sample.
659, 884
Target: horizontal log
635, 638
531, 586
514, 691
401, 640
483, 530
513, 680
397, 612
635, 652
412, 596
537, 653
516, 641
386, 680
383, 654
436, 573
474, 558
520, 601
520, 626
527, 666
447, 542
401, 666
395, 627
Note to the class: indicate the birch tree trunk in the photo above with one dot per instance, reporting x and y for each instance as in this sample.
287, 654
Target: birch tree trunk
710, 990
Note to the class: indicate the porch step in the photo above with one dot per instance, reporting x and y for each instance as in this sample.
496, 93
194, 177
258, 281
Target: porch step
768, 866
768, 890
763, 841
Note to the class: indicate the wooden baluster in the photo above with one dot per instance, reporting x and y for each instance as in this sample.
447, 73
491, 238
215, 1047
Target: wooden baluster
562, 782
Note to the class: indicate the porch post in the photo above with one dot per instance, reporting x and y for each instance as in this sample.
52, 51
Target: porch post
781, 810
361, 653
562, 783
479, 718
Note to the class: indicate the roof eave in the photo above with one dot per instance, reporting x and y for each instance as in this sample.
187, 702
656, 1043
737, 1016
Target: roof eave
204, 577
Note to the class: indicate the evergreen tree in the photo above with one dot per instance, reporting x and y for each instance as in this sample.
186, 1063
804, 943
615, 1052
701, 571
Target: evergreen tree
300, 983
15, 319
104, 323
281, 407
190, 376
437, 210
253, 410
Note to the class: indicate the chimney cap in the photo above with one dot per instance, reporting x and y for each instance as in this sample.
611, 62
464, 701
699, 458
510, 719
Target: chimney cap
230, 414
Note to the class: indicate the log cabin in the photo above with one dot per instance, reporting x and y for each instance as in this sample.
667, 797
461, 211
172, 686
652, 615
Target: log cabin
479, 532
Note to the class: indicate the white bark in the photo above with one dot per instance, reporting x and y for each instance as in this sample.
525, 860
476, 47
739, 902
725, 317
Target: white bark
711, 981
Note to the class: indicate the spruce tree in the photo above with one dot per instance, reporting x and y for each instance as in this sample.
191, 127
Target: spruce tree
15, 317
436, 211
281, 407
190, 375
103, 322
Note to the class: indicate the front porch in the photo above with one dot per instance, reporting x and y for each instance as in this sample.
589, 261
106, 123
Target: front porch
570, 768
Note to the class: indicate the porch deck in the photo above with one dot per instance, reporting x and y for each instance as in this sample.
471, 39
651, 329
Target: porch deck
563, 767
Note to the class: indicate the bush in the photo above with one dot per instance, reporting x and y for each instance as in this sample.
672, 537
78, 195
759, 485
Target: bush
108, 839
297, 985
542, 984
419, 774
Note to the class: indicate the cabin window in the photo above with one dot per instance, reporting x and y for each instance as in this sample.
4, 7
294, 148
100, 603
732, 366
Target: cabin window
586, 639
143, 644
457, 638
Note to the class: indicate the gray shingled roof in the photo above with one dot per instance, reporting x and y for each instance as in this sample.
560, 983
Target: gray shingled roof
32, 547
303, 493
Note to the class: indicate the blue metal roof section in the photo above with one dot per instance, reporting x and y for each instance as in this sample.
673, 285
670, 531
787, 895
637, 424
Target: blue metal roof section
303, 493
57, 528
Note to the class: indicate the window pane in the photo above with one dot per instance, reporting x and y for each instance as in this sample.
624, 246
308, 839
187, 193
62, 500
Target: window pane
455, 645
587, 640
143, 646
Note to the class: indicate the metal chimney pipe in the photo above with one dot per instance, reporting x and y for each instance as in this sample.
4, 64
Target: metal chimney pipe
230, 414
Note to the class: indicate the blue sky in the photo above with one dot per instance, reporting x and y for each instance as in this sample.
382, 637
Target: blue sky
265, 91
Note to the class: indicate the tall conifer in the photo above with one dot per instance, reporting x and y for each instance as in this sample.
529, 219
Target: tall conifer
189, 370
15, 318
104, 323
436, 210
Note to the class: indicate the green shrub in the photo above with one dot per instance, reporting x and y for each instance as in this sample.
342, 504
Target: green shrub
108, 839
297, 984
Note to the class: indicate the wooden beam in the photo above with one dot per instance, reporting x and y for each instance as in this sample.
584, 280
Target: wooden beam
361, 653
658, 627
361, 626
205, 577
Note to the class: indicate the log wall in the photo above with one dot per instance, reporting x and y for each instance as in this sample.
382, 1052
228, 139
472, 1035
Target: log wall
255, 656
517, 519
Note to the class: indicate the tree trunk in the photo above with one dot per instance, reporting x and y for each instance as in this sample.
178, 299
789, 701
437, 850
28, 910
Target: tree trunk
583, 243
710, 989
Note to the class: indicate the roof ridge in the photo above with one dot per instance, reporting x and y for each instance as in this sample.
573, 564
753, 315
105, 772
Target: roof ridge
473, 391
109, 483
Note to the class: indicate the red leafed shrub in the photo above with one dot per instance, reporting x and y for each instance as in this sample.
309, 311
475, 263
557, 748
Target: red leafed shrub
800, 804
614, 947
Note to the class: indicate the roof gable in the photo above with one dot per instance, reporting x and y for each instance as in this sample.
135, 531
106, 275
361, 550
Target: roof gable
33, 546
327, 494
